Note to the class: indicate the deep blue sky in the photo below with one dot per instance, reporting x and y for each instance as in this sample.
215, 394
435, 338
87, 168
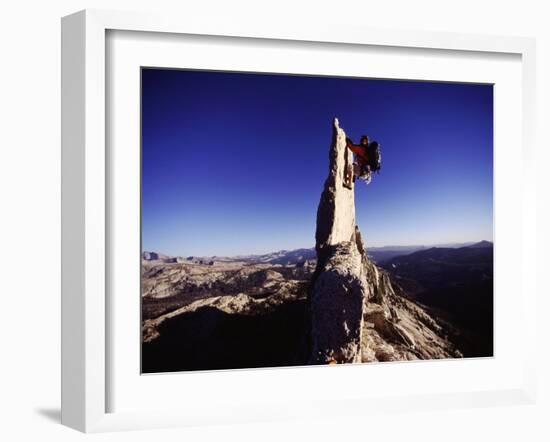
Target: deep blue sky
235, 163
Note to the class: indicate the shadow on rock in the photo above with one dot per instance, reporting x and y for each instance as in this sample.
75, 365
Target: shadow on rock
210, 339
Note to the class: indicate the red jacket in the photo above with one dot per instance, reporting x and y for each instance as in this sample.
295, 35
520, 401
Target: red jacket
359, 150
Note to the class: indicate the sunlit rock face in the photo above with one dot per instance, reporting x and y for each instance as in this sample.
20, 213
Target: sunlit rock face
336, 211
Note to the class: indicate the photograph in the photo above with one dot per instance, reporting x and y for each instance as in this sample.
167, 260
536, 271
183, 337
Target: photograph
297, 220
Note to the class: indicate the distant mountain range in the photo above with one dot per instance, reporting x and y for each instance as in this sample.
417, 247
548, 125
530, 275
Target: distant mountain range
382, 254
283, 257
289, 257
438, 265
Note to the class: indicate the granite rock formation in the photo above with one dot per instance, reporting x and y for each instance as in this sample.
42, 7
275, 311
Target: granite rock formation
356, 316
339, 286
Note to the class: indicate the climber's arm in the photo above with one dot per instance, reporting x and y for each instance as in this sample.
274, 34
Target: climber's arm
355, 148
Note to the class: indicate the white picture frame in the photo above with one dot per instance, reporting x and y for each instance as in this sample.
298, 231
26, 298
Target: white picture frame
86, 203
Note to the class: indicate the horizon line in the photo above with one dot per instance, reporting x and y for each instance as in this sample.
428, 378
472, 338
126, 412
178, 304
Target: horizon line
239, 255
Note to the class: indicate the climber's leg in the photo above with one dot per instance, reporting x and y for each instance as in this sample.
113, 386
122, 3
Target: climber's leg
366, 177
357, 169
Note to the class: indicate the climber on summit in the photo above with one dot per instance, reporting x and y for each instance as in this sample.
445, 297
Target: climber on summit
367, 158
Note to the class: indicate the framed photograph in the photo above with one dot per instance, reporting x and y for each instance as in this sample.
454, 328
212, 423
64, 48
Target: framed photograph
267, 221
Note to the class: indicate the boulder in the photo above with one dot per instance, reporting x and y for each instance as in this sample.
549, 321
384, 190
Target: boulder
150, 256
